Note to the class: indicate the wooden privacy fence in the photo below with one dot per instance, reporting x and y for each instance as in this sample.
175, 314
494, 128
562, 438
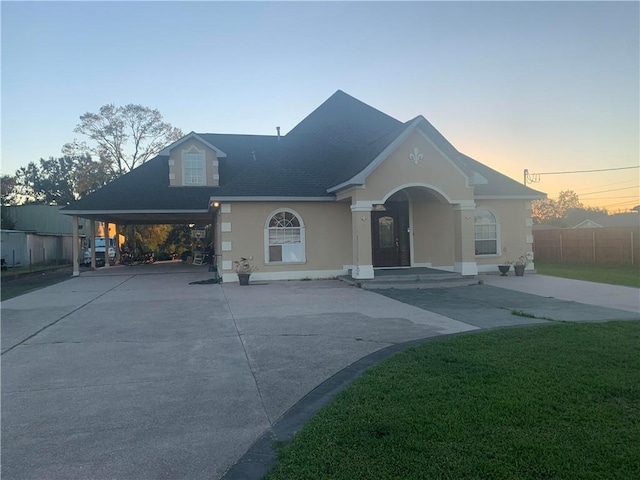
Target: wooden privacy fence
609, 245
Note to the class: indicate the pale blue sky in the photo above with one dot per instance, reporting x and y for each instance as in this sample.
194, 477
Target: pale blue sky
543, 85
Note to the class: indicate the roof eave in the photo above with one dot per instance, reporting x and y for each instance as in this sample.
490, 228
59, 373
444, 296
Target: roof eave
258, 198
167, 150
118, 212
510, 197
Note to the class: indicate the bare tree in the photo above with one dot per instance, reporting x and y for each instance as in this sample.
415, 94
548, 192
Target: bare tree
123, 137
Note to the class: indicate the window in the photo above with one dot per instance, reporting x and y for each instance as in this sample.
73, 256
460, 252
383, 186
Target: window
284, 237
193, 167
486, 233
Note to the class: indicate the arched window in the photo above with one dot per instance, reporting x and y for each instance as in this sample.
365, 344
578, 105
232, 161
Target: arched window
284, 238
486, 233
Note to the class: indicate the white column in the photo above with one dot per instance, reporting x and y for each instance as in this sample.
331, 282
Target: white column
361, 238
464, 234
106, 244
117, 239
75, 249
92, 243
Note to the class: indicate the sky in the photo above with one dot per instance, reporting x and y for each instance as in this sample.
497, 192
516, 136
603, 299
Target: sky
544, 86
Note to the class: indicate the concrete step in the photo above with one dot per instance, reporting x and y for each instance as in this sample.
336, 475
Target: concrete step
416, 277
418, 284
403, 282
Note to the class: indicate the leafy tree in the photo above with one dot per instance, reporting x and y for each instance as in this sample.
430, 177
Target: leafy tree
8, 190
567, 200
149, 238
90, 175
543, 210
565, 211
179, 237
123, 137
8, 197
58, 181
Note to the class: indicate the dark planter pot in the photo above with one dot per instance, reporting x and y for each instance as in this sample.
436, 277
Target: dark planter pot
244, 278
504, 269
519, 269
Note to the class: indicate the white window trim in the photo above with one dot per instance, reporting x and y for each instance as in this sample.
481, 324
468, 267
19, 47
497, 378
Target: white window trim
302, 238
498, 234
194, 149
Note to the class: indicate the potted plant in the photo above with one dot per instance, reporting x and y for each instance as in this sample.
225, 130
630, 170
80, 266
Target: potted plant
504, 268
520, 265
244, 270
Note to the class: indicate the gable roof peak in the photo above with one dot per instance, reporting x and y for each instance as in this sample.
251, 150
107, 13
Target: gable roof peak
345, 121
167, 150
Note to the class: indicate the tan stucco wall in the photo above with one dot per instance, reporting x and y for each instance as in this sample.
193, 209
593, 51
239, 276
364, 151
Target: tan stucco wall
175, 163
512, 218
433, 228
327, 234
397, 170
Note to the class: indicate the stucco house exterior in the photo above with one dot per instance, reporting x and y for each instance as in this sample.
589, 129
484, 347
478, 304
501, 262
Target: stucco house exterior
348, 190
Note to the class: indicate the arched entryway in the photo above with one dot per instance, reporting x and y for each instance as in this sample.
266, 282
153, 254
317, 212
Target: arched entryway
390, 232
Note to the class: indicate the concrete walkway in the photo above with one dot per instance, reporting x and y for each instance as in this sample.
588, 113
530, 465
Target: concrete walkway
589, 293
131, 372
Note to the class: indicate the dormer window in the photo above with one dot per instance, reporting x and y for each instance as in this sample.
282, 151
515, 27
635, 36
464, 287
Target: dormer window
194, 167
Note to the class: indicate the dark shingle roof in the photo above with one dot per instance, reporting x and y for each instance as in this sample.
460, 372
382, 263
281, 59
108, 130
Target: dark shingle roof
331, 146
144, 188
497, 184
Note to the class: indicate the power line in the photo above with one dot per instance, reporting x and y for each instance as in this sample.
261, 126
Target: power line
535, 177
605, 191
610, 184
630, 202
587, 171
615, 198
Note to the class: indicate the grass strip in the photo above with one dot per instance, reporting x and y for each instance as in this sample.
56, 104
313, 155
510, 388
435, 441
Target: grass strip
626, 275
553, 401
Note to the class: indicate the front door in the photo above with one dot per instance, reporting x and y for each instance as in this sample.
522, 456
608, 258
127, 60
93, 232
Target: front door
390, 236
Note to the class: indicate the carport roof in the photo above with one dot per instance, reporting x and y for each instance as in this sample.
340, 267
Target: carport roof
144, 196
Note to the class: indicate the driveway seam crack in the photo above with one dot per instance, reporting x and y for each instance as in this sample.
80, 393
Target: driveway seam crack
65, 316
246, 354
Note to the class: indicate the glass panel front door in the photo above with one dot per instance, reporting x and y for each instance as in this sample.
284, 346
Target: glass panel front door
390, 236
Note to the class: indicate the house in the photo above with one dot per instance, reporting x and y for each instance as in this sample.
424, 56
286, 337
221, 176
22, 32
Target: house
348, 189
588, 224
615, 220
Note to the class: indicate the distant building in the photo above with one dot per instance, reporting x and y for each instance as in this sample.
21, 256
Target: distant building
617, 220
42, 219
41, 234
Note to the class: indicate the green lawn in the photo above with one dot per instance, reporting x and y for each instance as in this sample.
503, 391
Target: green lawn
553, 401
628, 275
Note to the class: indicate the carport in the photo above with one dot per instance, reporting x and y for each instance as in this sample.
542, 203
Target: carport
142, 197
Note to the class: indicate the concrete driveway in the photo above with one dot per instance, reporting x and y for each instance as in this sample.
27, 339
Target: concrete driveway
131, 372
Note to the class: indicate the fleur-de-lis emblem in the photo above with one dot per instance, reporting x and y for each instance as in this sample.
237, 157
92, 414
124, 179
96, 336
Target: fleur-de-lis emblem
416, 157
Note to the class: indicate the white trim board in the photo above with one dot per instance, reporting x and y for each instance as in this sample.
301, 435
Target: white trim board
270, 199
